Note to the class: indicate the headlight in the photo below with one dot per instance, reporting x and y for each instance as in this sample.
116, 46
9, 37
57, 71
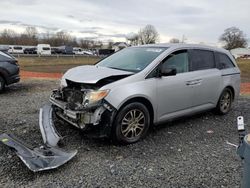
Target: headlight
63, 83
95, 96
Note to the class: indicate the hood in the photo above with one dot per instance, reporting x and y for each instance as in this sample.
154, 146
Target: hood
91, 74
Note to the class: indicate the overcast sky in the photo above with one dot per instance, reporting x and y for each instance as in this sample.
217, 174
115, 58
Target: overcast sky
198, 20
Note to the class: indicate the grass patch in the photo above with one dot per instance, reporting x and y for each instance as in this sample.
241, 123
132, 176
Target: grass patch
244, 65
54, 64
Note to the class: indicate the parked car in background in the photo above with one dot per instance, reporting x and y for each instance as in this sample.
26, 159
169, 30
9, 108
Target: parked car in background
43, 49
105, 52
77, 51
15, 49
86, 52
65, 50
129, 91
9, 70
80, 51
30, 51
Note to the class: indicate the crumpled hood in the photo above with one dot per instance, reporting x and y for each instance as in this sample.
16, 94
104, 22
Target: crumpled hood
91, 74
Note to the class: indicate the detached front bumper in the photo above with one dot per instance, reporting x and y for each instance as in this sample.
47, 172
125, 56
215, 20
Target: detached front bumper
45, 157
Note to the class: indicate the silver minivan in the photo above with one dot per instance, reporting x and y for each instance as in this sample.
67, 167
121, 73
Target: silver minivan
124, 94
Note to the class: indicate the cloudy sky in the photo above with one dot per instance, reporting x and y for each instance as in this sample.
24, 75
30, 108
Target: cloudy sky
198, 20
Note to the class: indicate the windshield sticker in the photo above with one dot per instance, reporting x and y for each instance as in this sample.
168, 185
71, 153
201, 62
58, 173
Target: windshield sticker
156, 50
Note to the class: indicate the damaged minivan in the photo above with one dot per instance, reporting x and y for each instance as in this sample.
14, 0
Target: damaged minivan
124, 94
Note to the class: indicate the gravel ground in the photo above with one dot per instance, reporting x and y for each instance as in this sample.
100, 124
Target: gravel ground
190, 152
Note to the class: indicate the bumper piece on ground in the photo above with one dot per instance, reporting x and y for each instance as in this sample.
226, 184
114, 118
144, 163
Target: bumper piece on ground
48, 131
40, 158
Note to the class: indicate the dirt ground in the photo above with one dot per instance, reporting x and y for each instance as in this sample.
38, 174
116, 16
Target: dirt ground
189, 152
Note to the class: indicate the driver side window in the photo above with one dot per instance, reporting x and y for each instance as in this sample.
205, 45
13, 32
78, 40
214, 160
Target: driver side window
177, 60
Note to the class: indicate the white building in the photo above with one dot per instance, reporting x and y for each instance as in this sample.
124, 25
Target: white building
119, 45
240, 52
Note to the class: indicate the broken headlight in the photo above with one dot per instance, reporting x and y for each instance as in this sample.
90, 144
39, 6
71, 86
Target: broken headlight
93, 97
63, 83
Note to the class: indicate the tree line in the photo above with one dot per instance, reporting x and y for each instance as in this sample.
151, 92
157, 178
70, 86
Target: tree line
31, 37
232, 38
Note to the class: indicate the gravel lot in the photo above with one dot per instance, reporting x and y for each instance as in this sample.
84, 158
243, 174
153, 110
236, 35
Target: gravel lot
190, 152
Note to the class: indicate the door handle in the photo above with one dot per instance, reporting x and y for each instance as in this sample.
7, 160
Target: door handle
189, 83
193, 82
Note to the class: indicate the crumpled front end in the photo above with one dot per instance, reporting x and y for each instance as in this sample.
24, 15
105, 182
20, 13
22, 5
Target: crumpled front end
74, 105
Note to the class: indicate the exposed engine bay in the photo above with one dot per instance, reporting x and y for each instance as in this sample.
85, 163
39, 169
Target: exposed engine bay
82, 104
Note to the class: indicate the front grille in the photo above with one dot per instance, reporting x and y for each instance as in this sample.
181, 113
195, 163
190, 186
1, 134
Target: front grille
74, 98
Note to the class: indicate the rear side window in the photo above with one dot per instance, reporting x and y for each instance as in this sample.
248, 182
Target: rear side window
223, 61
202, 60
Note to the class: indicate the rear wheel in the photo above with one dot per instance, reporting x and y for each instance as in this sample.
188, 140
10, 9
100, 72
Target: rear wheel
225, 102
2, 84
131, 124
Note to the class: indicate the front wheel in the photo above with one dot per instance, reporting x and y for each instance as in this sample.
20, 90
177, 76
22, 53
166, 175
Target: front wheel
131, 124
225, 102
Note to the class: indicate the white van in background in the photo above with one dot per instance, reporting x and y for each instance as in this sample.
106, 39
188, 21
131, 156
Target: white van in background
43, 49
15, 49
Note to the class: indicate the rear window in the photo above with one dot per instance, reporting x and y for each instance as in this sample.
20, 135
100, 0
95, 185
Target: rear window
202, 60
223, 61
46, 48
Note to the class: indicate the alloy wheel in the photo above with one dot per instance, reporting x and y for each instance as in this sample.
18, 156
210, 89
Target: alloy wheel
133, 124
225, 102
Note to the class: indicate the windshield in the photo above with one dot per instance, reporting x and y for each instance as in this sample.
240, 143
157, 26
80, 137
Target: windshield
132, 59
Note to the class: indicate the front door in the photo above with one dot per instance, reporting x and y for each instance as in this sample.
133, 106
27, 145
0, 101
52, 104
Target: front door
173, 93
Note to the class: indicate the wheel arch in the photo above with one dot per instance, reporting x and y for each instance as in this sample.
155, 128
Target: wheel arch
142, 100
232, 90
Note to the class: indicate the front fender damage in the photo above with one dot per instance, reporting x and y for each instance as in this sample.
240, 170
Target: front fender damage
45, 157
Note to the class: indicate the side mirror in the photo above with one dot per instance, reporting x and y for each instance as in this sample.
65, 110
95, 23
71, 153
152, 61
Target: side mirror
168, 71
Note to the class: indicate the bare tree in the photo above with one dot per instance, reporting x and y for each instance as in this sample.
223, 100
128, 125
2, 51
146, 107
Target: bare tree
45, 38
110, 44
174, 40
86, 43
97, 44
29, 37
132, 39
233, 37
8, 36
148, 35
31, 32
62, 38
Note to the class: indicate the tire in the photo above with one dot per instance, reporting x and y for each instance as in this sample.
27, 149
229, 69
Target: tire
2, 84
131, 124
225, 102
